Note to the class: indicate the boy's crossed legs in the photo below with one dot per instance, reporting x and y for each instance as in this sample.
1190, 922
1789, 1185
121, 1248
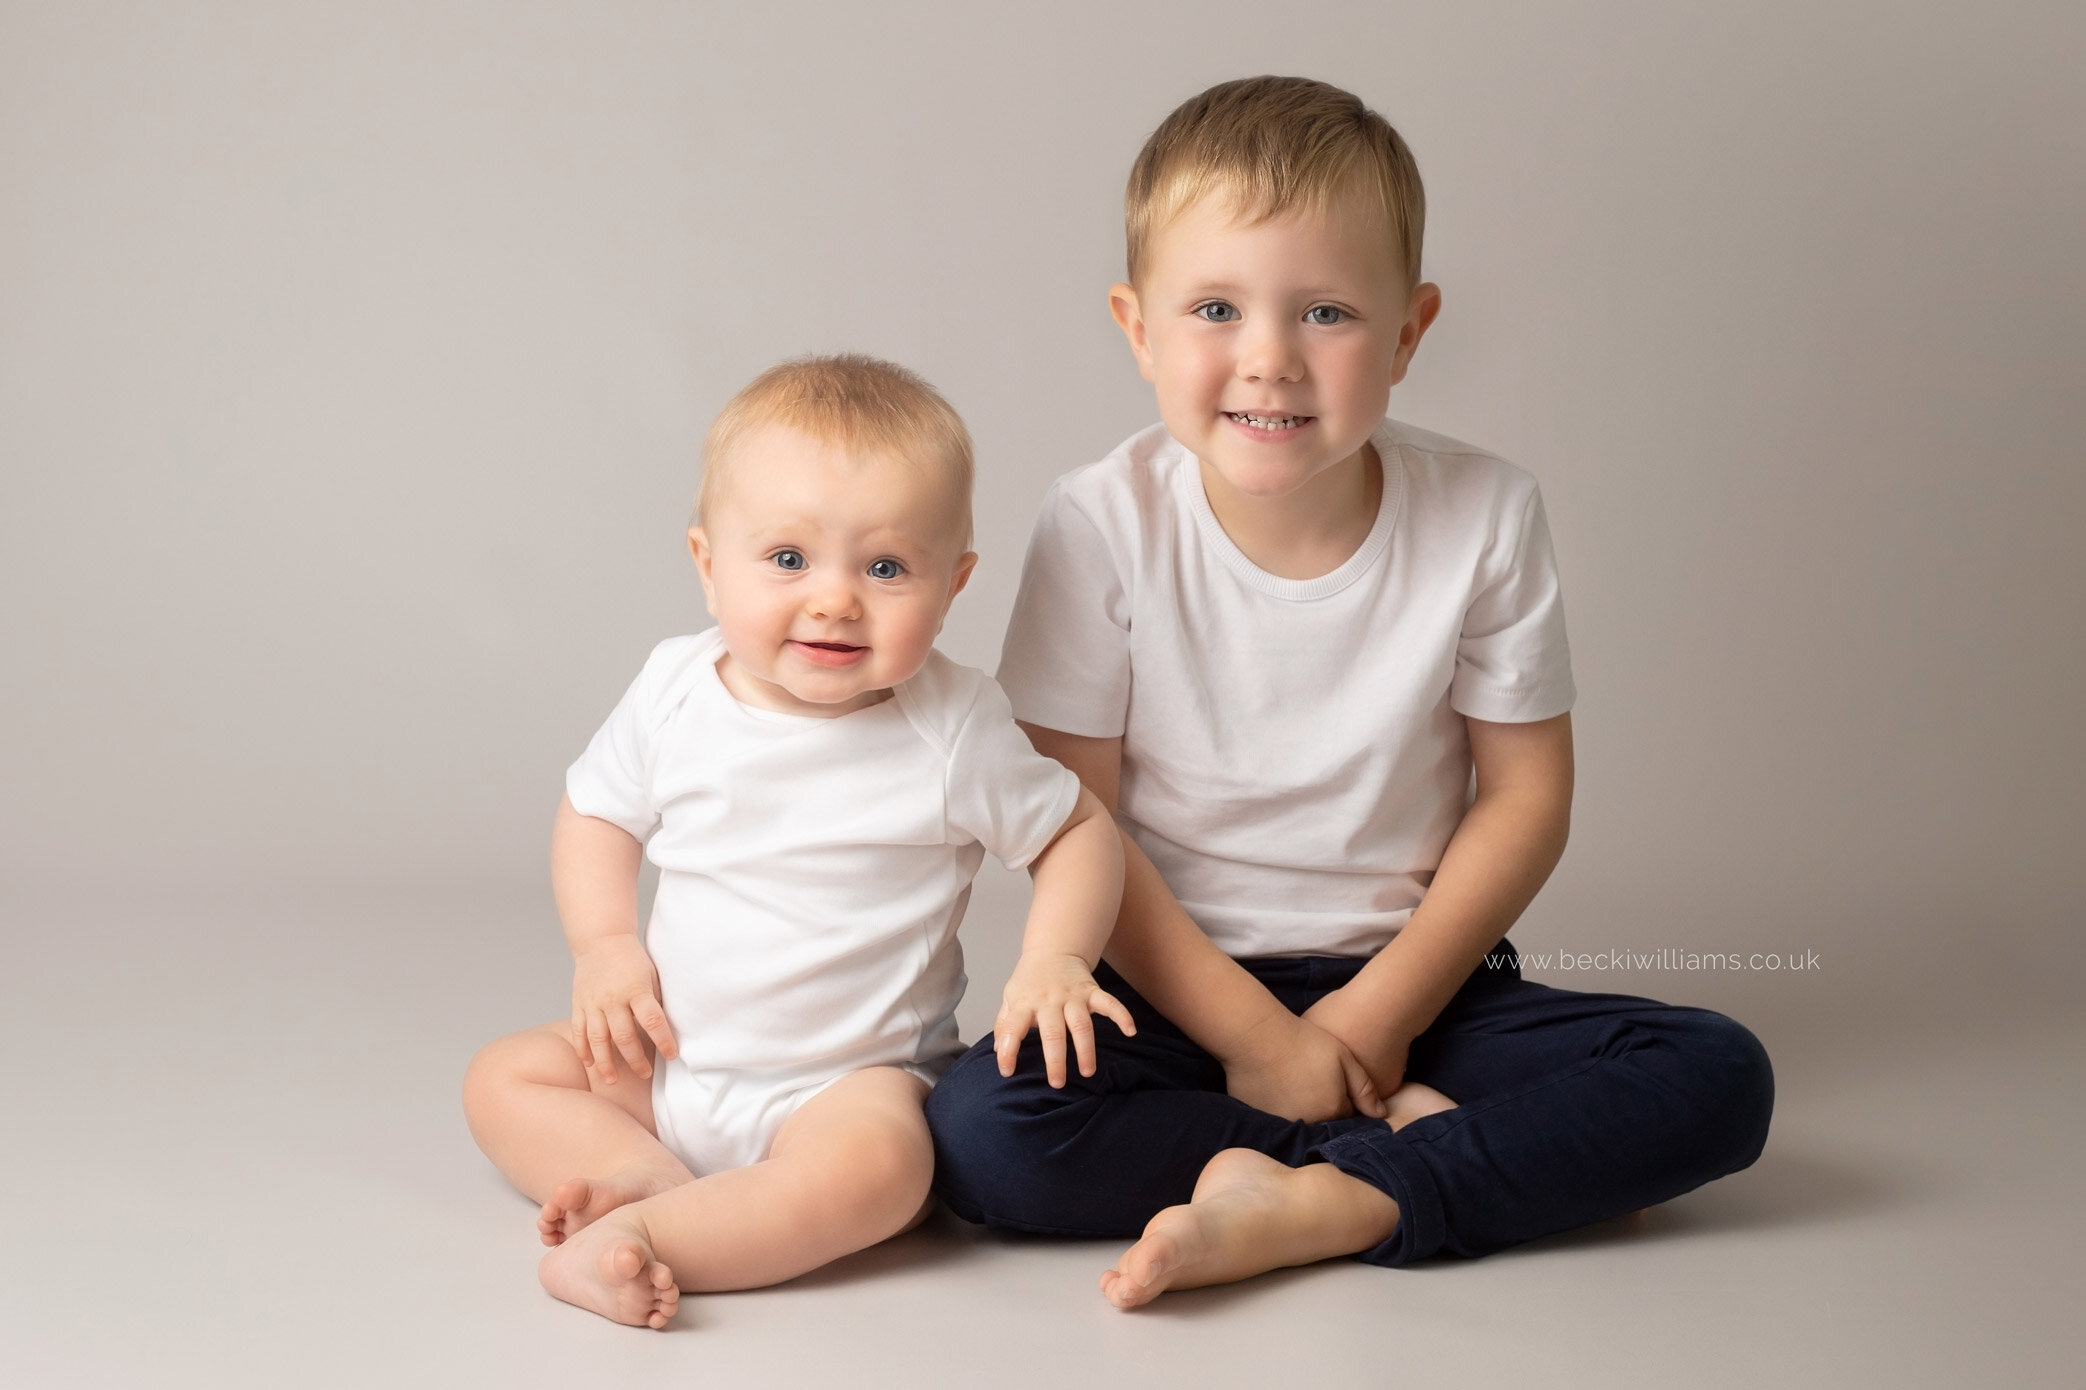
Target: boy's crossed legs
1570, 1108
633, 1228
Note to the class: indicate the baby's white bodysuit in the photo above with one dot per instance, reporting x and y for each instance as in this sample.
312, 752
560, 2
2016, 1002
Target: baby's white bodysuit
813, 873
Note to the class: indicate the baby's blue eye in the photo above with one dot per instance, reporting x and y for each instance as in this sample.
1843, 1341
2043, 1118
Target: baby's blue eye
788, 559
1217, 311
885, 569
1323, 314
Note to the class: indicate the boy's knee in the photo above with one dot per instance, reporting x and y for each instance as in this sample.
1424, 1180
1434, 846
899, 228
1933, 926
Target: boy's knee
1741, 1084
993, 1139
971, 1108
958, 1121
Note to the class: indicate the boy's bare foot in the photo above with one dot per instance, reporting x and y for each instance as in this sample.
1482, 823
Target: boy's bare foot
1250, 1214
578, 1203
609, 1269
1412, 1101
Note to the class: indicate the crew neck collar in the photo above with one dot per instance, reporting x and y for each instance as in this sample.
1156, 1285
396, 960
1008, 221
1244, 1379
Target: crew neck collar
1354, 567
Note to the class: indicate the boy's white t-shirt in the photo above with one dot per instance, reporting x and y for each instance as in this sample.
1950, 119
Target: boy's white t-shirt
1294, 752
813, 872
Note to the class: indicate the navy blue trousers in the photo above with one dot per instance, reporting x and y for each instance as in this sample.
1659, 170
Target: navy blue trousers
1571, 1108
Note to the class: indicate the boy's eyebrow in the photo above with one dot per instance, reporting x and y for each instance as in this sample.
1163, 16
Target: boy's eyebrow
1203, 289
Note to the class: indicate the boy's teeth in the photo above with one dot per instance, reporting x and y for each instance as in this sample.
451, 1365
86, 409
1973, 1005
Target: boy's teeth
1266, 422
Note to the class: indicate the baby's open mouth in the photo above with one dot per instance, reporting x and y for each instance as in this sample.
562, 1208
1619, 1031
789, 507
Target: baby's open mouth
834, 654
1269, 423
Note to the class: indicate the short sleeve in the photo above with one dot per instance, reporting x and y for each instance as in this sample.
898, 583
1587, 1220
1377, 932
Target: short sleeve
1066, 660
611, 780
1001, 791
1512, 663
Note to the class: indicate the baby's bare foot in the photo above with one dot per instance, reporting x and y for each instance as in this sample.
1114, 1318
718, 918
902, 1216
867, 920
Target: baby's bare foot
609, 1269
1250, 1214
1412, 1101
579, 1202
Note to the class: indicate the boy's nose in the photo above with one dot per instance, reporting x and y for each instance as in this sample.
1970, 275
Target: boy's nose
1270, 355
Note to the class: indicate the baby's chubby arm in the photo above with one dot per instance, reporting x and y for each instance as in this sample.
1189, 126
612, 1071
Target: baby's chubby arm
615, 990
1273, 1060
1078, 883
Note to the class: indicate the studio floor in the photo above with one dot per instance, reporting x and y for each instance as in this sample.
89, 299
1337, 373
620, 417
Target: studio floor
235, 1157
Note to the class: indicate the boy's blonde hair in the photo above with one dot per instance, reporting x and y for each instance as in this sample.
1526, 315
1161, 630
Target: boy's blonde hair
1275, 144
854, 402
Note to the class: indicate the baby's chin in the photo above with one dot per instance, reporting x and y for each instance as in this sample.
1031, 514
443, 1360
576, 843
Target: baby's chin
821, 696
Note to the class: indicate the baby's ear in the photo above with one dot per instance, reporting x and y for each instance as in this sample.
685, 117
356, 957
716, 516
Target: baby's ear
958, 577
699, 547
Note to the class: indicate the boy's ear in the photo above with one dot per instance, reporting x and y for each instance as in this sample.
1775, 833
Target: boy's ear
1129, 316
1420, 313
699, 547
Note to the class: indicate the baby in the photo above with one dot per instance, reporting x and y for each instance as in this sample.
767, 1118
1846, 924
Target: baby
737, 1098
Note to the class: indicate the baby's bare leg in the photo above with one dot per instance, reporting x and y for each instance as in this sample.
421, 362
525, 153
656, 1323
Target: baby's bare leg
577, 1144
849, 1169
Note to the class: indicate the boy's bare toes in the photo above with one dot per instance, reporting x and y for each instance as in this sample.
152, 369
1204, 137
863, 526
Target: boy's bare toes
1146, 1269
1412, 1101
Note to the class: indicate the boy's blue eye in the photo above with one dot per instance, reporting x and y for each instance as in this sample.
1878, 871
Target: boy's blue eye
1324, 314
788, 559
885, 569
1217, 311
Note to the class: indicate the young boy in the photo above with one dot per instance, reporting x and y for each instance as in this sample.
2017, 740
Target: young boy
737, 1099
1314, 660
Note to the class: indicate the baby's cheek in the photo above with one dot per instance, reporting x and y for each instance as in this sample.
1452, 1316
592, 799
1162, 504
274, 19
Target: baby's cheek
912, 637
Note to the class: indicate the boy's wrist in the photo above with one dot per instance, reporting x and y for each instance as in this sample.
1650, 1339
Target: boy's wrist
1264, 1033
1377, 1035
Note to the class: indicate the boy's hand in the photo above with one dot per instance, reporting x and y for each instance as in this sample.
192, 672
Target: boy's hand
1381, 1055
615, 992
1057, 995
1293, 1068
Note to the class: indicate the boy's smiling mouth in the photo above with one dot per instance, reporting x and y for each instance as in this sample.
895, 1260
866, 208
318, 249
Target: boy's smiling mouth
1268, 424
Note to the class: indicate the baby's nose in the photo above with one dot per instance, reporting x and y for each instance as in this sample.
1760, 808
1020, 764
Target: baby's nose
834, 600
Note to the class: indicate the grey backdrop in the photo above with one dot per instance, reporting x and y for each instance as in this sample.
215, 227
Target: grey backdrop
353, 361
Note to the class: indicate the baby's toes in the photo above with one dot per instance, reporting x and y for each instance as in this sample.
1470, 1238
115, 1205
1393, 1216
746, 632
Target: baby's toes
667, 1300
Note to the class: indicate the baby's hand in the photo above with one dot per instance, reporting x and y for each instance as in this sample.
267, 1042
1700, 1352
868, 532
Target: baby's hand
615, 992
1057, 995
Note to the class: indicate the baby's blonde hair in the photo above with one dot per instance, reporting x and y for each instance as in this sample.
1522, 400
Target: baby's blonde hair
1275, 145
854, 402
